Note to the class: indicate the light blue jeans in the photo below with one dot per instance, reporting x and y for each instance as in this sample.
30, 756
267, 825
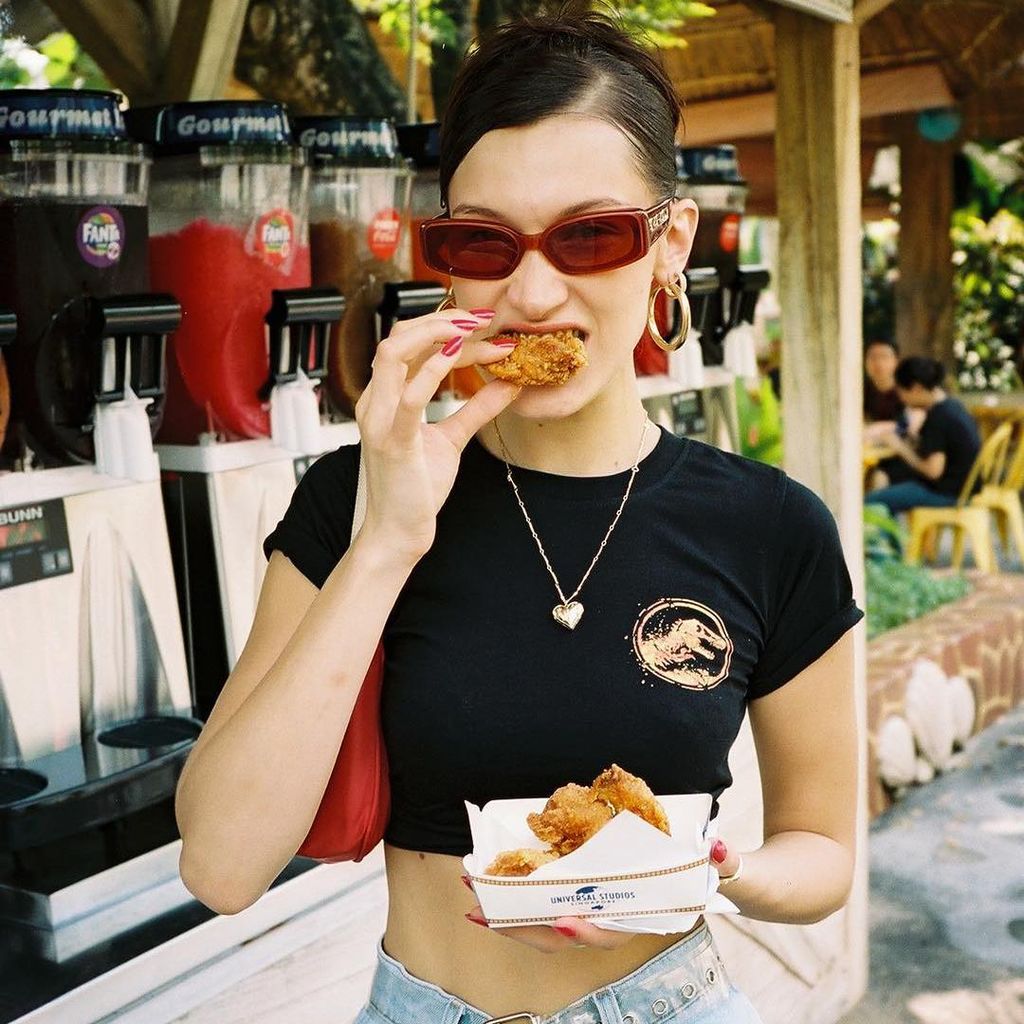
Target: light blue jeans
684, 984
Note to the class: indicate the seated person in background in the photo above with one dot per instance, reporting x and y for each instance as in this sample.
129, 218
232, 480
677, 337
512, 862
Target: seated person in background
883, 410
947, 444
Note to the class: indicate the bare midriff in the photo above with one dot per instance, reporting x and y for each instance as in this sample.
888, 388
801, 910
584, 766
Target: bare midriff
427, 932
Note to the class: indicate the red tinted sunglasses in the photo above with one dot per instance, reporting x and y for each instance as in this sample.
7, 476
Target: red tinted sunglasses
484, 250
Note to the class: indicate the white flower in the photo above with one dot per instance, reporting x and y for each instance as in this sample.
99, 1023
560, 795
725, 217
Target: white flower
1014, 280
965, 380
994, 380
1008, 366
959, 258
979, 378
1005, 352
959, 348
972, 359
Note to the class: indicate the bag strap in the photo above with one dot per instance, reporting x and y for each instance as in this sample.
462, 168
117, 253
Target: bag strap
359, 512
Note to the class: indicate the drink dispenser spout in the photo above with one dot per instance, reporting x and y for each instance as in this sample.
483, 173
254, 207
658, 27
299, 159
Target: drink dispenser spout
129, 338
406, 299
739, 345
299, 323
8, 326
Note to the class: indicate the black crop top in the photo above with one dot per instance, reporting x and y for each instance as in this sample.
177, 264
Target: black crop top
723, 580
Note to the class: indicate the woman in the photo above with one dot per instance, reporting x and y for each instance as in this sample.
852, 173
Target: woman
477, 525
947, 442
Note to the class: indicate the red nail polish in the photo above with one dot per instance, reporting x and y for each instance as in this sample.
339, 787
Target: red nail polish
467, 325
452, 346
504, 344
467, 882
477, 920
566, 930
483, 312
719, 851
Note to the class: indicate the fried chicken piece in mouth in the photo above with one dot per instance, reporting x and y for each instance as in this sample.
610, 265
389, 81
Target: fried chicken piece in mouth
570, 817
516, 863
626, 792
541, 359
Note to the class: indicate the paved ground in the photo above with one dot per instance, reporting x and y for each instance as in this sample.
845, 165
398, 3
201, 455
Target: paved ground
947, 893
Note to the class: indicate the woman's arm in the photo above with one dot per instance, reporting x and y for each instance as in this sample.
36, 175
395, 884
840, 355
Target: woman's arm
252, 784
806, 738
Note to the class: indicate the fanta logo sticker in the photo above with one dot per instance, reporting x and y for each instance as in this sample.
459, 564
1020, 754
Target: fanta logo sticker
275, 236
101, 236
383, 234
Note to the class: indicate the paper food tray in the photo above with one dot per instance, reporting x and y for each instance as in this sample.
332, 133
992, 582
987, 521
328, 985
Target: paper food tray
630, 876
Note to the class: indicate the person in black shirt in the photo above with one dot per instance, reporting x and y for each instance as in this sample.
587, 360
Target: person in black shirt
559, 585
883, 410
947, 445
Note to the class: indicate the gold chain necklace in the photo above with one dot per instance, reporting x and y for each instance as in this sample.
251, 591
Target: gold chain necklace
570, 611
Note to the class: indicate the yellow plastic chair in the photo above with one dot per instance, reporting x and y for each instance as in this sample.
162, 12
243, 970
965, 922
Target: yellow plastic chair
965, 519
1002, 498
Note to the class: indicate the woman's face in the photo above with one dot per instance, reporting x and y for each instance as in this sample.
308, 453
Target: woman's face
880, 362
528, 178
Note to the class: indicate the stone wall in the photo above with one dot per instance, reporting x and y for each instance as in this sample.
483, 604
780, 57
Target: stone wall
980, 637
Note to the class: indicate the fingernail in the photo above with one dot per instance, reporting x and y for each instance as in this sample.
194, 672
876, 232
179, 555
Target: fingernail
467, 882
483, 312
564, 929
719, 851
467, 325
477, 920
452, 346
504, 344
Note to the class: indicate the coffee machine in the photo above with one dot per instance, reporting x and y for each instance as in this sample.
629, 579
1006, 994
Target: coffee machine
244, 416
95, 707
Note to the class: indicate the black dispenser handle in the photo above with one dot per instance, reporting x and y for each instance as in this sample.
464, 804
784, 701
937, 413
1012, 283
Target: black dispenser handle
299, 322
702, 283
139, 323
751, 280
405, 299
8, 326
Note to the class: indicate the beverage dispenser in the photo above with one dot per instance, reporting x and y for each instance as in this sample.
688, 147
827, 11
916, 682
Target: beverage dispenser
8, 328
229, 212
359, 235
95, 706
228, 225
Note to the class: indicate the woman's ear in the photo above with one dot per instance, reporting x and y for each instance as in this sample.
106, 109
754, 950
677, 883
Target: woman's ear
674, 247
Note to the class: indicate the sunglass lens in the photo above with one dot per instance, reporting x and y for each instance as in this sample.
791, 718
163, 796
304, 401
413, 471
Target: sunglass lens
470, 250
596, 243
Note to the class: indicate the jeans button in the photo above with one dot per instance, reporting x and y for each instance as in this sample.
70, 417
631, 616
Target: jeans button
630, 1018
660, 1007
710, 975
689, 990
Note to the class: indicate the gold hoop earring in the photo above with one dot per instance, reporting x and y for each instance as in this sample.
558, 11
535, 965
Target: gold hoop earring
678, 293
448, 302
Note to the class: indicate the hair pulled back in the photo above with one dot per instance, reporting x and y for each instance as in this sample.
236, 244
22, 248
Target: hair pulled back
929, 373
576, 61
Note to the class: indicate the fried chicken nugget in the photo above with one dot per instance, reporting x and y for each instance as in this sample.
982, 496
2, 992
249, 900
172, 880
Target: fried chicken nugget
520, 862
626, 792
570, 817
541, 358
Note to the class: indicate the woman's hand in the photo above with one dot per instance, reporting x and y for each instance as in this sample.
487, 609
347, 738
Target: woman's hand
565, 933
411, 465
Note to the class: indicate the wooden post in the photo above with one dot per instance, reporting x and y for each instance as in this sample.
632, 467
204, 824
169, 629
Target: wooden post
811, 975
201, 53
924, 290
817, 145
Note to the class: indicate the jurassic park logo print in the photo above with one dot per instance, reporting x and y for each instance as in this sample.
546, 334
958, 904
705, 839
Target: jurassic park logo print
683, 642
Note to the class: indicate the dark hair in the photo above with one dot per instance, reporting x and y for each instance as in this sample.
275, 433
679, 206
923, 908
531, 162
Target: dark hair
929, 373
575, 61
881, 341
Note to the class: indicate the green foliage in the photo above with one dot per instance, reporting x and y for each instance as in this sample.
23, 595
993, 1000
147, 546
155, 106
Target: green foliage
896, 592
655, 21
899, 593
659, 21
988, 284
66, 64
436, 28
